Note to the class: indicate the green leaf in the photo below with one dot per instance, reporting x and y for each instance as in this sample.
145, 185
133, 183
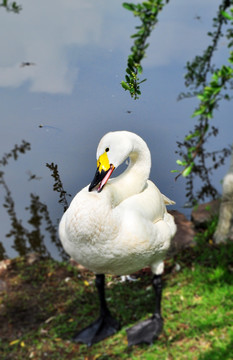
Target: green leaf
191, 150
125, 86
187, 171
231, 57
181, 163
135, 35
142, 81
217, 90
190, 136
209, 115
201, 97
129, 6
199, 111
226, 15
215, 77
139, 69
208, 89
147, 5
129, 71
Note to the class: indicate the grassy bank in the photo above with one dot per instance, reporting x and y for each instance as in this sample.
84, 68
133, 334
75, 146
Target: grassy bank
43, 304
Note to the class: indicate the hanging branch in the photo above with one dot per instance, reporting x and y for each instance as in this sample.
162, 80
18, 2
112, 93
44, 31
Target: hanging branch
209, 93
201, 66
147, 12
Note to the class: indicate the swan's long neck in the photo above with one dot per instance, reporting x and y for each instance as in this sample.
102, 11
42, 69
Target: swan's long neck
133, 179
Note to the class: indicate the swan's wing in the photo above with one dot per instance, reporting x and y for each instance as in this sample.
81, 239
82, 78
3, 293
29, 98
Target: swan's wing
145, 225
149, 204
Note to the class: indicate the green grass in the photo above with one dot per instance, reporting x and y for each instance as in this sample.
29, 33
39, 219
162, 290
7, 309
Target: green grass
47, 302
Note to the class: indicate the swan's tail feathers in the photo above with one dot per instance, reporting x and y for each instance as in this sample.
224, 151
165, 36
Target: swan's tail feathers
167, 201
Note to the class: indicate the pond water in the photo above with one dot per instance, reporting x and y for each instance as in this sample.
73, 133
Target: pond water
60, 70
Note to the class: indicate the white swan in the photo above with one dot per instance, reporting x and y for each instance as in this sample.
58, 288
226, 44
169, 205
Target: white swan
119, 226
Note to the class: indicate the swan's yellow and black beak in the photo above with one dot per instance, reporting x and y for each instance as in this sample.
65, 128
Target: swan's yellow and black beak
103, 173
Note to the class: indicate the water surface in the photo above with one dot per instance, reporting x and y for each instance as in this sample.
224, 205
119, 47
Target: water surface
60, 70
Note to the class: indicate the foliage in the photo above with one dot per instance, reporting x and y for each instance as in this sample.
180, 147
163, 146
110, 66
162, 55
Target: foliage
147, 12
39, 213
11, 6
17, 229
204, 80
26, 240
14, 153
58, 186
210, 85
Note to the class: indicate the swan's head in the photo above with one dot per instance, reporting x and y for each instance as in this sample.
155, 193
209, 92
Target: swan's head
114, 148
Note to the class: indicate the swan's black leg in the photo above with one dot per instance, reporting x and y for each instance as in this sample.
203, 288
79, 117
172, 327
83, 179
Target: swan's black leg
105, 325
158, 287
149, 330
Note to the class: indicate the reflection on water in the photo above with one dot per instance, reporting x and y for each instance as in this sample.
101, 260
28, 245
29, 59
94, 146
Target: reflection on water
11, 6
33, 176
58, 186
27, 63
25, 240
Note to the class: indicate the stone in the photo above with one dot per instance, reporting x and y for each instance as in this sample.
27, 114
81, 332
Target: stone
184, 236
5, 264
224, 229
32, 258
205, 212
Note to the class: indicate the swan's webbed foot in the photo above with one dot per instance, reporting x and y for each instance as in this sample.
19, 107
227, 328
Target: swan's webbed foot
100, 329
149, 330
104, 326
146, 331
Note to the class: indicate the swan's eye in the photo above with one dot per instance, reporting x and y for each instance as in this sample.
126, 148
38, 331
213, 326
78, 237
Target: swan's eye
107, 149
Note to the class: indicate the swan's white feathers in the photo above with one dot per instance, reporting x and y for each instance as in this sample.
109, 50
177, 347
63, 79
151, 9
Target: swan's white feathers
126, 226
